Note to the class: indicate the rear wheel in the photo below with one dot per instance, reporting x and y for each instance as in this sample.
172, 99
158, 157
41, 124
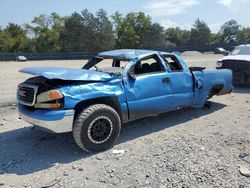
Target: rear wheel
96, 128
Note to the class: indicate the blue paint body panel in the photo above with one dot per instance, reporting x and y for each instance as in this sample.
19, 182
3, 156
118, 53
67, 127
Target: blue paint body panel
126, 54
208, 79
144, 96
44, 115
67, 73
76, 93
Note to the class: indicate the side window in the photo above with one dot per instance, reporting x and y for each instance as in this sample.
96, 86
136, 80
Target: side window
173, 63
148, 65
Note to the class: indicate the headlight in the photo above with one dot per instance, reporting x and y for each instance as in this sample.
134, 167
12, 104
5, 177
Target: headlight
49, 96
219, 64
49, 99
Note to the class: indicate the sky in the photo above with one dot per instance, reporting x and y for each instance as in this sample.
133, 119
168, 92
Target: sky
168, 13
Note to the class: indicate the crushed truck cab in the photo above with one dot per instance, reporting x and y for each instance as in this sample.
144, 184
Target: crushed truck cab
112, 88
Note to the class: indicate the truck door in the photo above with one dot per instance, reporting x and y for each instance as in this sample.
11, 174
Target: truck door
150, 89
181, 84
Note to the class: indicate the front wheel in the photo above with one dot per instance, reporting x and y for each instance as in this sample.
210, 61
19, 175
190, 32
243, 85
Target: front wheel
96, 128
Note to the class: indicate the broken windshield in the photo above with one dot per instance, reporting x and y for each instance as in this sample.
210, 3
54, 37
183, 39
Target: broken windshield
115, 66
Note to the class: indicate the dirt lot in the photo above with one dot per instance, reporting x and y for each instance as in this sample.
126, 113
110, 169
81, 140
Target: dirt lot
186, 148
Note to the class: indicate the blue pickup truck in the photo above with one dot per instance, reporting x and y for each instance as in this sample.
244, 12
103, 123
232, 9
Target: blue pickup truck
112, 88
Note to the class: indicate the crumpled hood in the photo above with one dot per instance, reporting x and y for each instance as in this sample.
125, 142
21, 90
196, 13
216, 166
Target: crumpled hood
237, 57
67, 73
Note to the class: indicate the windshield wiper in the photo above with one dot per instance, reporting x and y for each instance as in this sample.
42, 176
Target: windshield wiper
114, 74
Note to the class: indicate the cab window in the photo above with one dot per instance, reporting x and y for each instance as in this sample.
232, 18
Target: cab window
148, 65
173, 63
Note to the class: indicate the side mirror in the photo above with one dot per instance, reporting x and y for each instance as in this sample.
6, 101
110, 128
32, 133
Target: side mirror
131, 74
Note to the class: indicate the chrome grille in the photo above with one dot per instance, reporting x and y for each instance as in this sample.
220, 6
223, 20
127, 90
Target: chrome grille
240, 68
236, 65
26, 94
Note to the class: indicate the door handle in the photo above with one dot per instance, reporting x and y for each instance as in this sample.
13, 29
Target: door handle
165, 80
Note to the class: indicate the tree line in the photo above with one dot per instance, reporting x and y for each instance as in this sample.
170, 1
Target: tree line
88, 32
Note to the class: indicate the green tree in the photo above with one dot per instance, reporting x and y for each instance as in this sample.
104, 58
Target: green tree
72, 33
243, 36
87, 32
6, 42
46, 32
104, 39
136, 30
215, 38
177, 36
153, 37
18, 39
228, 31
200, 33
126, 34
14, 39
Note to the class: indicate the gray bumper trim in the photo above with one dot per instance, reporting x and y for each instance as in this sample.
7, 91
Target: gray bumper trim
59, 126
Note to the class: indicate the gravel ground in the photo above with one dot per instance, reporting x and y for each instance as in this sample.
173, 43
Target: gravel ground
186, 148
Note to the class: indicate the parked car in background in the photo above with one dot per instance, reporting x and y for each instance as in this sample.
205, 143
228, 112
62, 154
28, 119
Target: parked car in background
239, 62
114, 87
21, 58
221, 51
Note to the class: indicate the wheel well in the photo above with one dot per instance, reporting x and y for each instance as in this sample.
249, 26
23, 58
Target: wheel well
110, 101
215, 90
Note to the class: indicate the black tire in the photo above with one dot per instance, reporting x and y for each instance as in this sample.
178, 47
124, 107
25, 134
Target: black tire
96, 128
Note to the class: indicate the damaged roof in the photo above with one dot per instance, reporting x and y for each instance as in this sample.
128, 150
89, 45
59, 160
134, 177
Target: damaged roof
126, 54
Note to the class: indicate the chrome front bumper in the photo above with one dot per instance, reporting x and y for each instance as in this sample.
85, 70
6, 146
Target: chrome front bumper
55, 121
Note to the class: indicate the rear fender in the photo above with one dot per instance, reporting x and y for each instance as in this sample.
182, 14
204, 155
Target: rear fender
209, 81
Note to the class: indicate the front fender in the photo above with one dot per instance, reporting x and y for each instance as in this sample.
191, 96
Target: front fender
77, 93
